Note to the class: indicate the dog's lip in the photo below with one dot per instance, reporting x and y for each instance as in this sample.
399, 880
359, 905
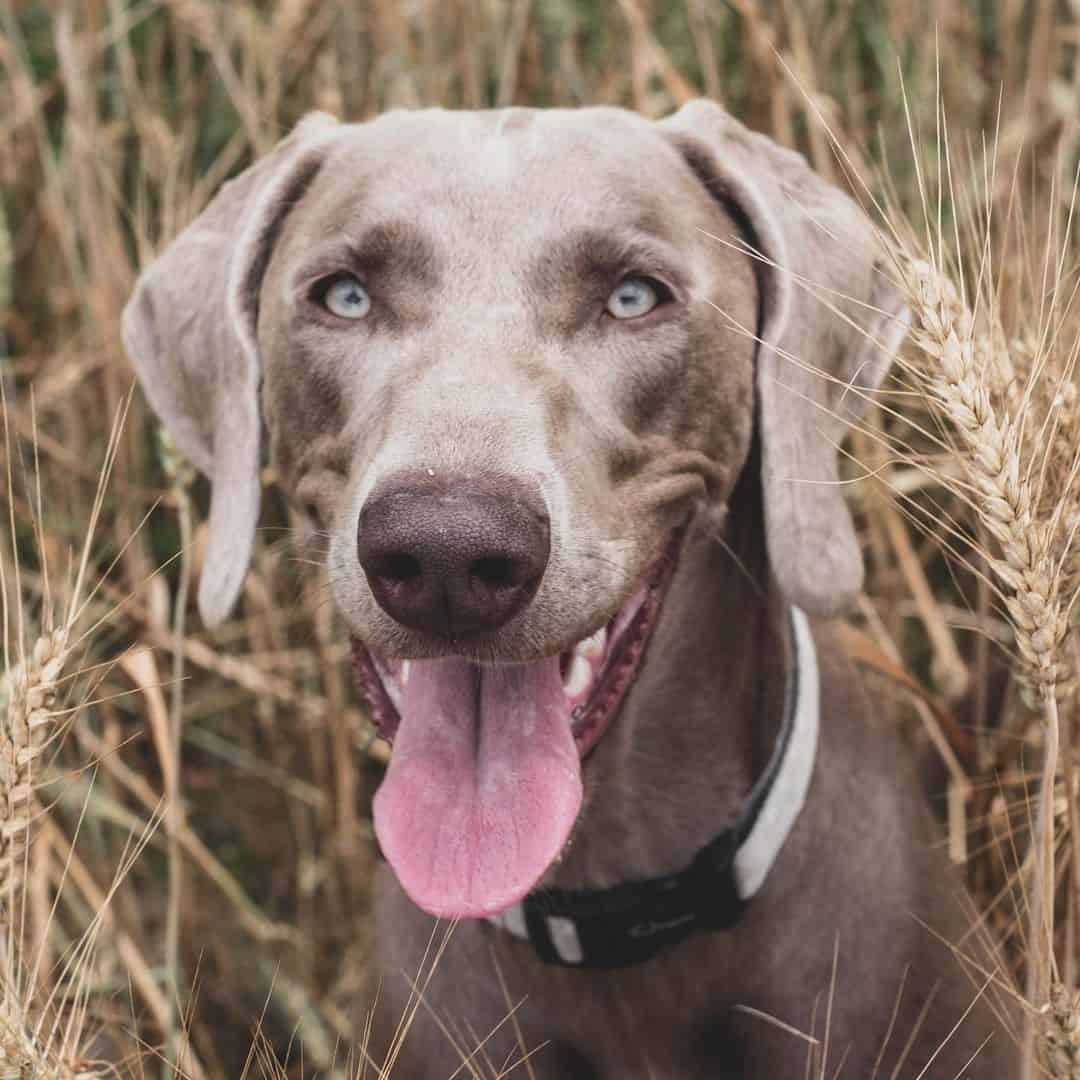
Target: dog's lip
613, 652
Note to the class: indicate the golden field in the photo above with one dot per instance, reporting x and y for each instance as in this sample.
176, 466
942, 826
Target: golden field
185, 840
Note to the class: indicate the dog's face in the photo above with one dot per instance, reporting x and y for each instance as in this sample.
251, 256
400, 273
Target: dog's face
503, 358
467, 309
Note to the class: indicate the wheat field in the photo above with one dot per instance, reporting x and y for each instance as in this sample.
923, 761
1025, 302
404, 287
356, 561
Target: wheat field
185, 838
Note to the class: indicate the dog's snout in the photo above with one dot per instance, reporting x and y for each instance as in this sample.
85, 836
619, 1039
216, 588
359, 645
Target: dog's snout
453, 558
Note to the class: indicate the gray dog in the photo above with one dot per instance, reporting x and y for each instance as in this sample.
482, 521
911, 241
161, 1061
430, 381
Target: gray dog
564, 389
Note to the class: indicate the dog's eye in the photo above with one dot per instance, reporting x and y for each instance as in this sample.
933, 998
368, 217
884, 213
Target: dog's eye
634, 297
347, 298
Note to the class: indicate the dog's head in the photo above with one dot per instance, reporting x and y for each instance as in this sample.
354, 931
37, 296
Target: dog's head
502, 358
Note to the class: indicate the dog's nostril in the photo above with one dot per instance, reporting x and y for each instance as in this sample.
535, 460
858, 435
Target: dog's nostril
400, 567
496, 572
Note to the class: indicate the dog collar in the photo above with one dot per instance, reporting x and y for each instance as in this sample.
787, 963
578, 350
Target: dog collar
629, 923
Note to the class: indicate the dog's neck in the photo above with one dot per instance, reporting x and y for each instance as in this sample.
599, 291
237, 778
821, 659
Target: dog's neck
665, 781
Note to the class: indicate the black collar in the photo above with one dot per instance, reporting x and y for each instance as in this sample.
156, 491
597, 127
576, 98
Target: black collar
632, 922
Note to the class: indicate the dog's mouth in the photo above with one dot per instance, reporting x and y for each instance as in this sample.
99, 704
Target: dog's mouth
484, 783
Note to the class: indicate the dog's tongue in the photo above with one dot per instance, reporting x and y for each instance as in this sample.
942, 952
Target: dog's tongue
483, 786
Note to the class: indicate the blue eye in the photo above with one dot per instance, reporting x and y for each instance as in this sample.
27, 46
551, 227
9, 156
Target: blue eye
632, 298
347, 298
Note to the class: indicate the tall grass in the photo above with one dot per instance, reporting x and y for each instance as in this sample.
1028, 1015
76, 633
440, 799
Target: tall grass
237, 763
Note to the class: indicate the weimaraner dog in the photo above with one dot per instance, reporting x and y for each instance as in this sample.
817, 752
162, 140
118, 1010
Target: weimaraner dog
563, 390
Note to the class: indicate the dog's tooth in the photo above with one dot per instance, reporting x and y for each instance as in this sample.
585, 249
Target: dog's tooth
593, 647
578, 679
403, 673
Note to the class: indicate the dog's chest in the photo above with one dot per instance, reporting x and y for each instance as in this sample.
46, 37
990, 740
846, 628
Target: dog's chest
661, 1019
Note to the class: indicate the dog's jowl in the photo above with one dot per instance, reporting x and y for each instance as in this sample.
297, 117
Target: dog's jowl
563, 391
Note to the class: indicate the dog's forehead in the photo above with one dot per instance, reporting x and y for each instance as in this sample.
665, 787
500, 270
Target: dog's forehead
527, 169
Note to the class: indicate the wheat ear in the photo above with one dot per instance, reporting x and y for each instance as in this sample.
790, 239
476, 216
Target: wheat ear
959, 380
1062, 1034
29, 724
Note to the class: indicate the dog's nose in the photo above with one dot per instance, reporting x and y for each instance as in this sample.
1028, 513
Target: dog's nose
453, 558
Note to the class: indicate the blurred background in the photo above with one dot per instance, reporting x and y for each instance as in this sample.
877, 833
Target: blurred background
185, 841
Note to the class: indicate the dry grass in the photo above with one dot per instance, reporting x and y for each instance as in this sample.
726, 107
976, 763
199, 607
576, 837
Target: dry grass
235, 947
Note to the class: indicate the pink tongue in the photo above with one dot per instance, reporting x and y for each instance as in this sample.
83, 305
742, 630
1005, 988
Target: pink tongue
483, 786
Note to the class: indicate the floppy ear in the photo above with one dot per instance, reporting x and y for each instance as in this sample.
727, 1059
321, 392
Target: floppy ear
830, 322
189, 329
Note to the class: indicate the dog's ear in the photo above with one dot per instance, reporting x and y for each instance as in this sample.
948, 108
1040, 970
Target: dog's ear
830, 322
190, 330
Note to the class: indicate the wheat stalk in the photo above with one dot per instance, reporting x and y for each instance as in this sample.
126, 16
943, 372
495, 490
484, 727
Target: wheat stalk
29, 725
965, 369
199, 20
7, 261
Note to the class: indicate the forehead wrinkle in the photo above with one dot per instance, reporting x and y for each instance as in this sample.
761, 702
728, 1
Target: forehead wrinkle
591, 251
400, 243
397, 247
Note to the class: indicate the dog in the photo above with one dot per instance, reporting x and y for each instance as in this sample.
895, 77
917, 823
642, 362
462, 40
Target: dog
564, 390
